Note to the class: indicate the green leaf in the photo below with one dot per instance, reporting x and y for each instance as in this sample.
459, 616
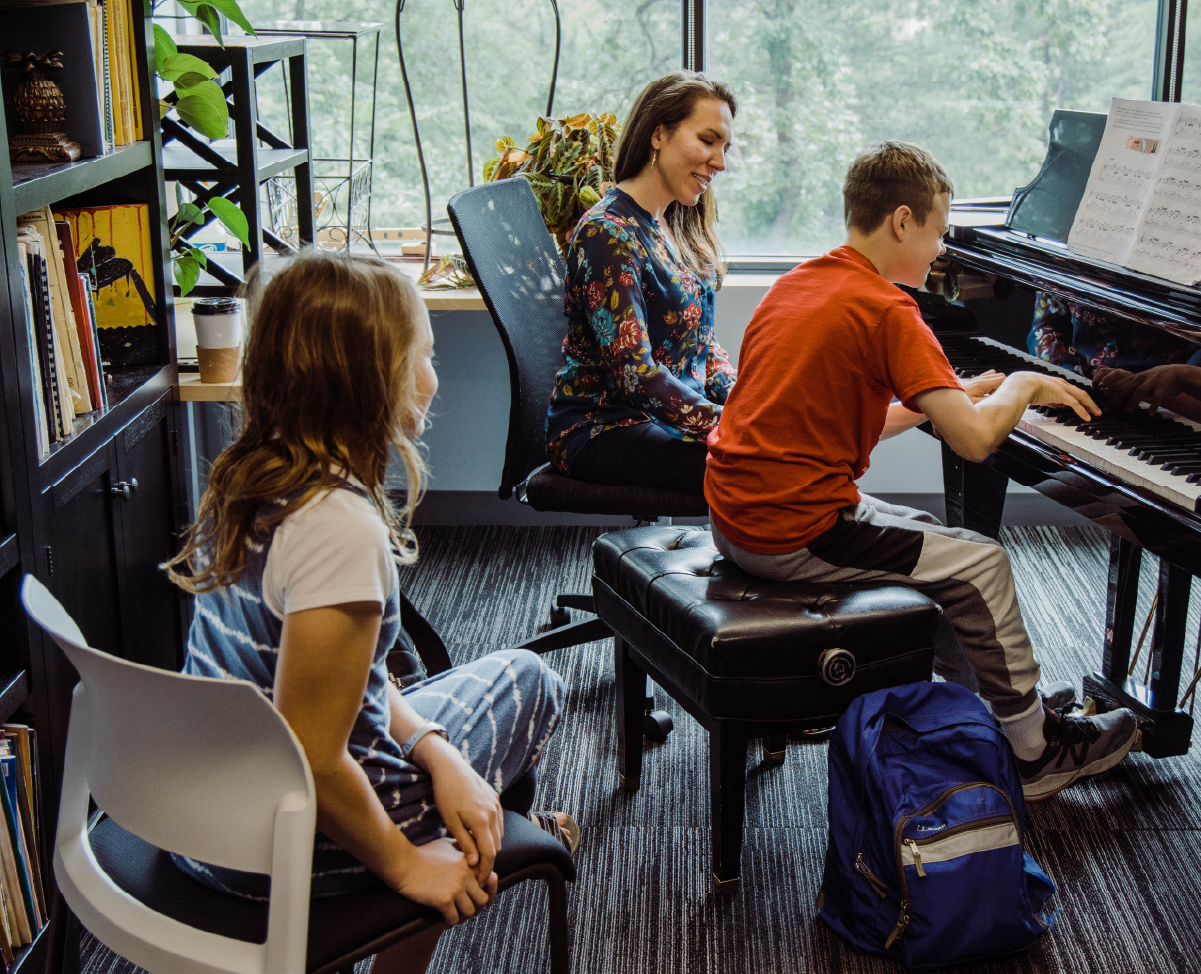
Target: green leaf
175, 66
199, 256
164, 47
232, 218
490, 168
231, 10
208, 117
207, 15
190, 213
189, 79
187, 273
179, 200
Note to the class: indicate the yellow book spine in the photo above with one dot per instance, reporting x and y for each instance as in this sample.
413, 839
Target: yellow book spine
132, 24
114, 70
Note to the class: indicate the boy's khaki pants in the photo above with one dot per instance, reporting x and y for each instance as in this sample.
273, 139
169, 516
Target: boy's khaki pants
987, 648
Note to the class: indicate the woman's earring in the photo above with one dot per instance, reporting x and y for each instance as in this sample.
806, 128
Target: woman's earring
654, 159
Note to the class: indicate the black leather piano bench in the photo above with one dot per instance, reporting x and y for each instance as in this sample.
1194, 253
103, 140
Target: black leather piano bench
745, 657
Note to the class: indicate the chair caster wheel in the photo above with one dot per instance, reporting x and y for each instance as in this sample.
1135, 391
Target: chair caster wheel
559, 616
656, 725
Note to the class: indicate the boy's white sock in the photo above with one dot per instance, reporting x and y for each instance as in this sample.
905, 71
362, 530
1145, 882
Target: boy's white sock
1025, 731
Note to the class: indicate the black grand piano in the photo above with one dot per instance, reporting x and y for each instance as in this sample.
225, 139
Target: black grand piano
1137, 476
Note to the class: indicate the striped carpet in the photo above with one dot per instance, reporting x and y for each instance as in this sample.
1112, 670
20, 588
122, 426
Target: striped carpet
1124, 848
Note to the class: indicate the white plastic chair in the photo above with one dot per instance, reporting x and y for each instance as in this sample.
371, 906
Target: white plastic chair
208, 768
204, 767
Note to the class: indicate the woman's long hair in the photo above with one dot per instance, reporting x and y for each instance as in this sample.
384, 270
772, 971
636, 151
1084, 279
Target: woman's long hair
328, 382
667, 101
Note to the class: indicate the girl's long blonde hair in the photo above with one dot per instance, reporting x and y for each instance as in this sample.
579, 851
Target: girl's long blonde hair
328, 382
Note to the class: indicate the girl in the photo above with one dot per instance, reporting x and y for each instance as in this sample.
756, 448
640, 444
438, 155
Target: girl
643, 378
293, 564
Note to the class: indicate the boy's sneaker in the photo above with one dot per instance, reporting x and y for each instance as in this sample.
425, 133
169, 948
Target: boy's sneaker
1076, 747
1058, 695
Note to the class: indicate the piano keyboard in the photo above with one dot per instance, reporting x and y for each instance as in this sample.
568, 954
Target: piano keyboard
1159, 453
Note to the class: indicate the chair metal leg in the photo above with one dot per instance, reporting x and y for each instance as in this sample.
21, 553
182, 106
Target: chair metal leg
775, 748
576, 600
727, 799
573, 634
631, 701
560, 939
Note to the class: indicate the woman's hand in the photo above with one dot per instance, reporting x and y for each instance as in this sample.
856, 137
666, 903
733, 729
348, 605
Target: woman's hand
1125, 390
437, 874
983, 385
469, 806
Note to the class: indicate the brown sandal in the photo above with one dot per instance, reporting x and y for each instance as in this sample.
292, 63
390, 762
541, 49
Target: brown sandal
568, 835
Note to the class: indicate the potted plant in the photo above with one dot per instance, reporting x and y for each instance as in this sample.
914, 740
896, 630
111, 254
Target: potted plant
568, 163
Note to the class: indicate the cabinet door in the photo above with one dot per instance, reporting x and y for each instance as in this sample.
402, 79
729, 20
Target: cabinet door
146, 519
84, 557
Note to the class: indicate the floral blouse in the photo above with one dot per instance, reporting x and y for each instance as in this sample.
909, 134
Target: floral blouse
640, 345
1079, 338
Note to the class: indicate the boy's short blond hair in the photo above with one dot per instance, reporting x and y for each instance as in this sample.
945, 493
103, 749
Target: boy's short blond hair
886, 176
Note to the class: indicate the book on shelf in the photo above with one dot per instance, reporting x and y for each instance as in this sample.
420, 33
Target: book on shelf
113, 248
26, 873
76, 283
59, 414
1142, 204
64, 318
99, 78
39, 404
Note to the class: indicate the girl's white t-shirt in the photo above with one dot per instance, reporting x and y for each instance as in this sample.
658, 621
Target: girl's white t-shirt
334, 549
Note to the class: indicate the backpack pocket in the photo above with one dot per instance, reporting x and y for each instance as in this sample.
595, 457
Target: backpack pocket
961, 866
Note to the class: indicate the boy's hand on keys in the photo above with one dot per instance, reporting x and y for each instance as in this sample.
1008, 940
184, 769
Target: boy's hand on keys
982, 385
1050, 390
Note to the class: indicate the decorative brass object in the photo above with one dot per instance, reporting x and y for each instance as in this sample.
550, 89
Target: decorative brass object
39, 106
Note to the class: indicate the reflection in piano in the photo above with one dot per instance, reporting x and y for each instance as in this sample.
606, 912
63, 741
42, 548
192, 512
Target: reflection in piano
1137, 475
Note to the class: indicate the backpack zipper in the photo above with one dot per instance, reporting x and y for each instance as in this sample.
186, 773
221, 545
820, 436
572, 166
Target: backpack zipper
903, 920
983, 823
878, 884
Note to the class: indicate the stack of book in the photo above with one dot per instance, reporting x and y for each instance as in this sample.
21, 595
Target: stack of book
23, 911
60, 322
99, 77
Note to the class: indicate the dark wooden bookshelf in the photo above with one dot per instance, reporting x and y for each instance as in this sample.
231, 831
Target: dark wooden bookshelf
44, 184
93, 516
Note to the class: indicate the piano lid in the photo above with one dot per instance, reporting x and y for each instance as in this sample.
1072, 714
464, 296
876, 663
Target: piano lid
1049, 266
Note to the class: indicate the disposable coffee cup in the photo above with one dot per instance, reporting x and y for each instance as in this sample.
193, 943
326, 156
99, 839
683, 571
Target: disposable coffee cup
218, 338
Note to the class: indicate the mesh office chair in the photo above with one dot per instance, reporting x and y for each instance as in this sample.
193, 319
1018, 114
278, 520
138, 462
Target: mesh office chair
517, 266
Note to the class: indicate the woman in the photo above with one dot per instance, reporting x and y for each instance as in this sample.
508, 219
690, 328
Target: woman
293, 564
643, 378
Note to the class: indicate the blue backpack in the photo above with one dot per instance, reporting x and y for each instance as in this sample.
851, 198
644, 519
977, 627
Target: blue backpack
925, 862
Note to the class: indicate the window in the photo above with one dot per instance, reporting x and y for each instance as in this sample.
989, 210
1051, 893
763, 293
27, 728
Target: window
610, 50
974, 81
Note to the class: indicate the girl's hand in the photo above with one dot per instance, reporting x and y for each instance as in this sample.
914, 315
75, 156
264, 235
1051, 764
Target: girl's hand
982, 385
437, 874
469, 806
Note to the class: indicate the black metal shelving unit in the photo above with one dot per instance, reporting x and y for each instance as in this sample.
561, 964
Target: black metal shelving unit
237, 168
69, 516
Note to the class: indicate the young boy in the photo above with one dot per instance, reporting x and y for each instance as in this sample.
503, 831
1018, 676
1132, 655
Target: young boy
830, 346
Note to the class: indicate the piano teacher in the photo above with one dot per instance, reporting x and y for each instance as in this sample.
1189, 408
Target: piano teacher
643, 379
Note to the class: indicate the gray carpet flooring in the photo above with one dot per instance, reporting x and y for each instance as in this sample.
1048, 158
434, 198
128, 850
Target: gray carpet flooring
1124, 848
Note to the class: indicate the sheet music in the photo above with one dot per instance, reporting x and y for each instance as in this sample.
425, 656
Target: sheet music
1168, 242
1121, 181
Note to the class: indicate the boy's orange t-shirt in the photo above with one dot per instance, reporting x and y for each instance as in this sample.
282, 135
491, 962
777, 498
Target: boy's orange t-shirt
829, 347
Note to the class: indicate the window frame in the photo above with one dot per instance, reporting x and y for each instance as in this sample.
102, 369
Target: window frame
1166, 83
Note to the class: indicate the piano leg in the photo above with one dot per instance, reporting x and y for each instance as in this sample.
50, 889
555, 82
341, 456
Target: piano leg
1169, 730
975, 493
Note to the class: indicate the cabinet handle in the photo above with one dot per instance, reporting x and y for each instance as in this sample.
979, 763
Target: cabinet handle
122, 489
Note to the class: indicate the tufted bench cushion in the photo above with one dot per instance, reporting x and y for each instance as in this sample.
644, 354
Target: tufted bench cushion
741, 647
745, 657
